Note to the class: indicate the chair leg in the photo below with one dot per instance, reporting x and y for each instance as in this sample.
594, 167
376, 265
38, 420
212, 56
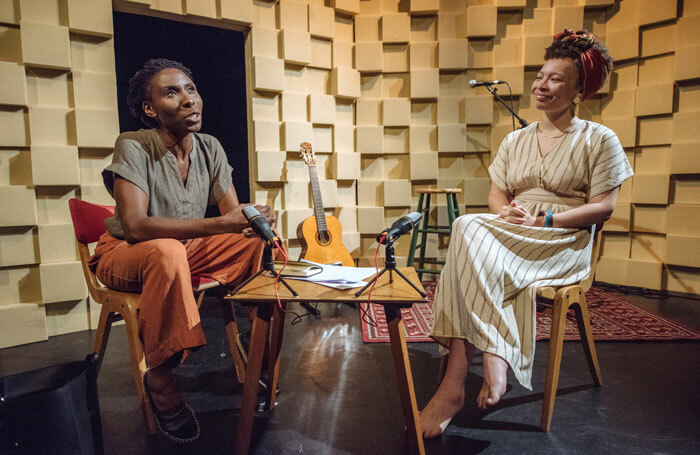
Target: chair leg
200, 298
424, 237
414, 236
584, 327
129, 312
556, 344
455, 204
102, 335
239, 361
450, 212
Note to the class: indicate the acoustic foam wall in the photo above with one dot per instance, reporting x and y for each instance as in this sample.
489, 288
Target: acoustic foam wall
59, 100
380, 88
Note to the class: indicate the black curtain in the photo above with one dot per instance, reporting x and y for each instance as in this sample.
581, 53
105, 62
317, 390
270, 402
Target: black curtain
217, 59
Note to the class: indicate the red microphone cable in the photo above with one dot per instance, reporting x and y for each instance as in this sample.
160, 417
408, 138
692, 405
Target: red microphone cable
277, 277
365, 310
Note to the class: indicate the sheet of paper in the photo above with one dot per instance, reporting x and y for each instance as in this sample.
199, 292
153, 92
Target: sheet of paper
339, 277
341, 286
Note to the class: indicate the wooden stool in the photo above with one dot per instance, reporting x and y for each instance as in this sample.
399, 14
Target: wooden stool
452, 213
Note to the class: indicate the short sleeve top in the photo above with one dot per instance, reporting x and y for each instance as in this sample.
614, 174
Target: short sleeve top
589, 160
141, 158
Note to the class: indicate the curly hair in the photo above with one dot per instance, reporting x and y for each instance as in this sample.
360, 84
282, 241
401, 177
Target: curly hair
591, 59
138, 86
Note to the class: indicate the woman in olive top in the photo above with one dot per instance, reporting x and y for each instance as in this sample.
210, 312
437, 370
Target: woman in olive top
163, 178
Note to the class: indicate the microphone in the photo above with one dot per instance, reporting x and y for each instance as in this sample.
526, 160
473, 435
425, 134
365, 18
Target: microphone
400, 227
474, 83
259, 225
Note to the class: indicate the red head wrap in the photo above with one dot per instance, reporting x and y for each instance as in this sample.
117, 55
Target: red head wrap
594, 69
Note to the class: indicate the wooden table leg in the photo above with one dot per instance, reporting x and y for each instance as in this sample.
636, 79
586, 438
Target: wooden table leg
273, 360
232, 336
261, 326
397, 335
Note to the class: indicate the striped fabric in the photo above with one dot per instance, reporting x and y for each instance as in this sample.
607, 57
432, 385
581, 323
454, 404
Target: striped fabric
486, 293
587, 161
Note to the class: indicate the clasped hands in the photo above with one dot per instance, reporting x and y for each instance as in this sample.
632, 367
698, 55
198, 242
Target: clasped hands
516, 214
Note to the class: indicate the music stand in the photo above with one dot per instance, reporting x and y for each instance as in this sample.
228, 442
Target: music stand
390, 265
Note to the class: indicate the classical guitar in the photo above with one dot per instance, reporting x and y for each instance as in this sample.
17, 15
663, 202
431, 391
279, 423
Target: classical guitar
320, 234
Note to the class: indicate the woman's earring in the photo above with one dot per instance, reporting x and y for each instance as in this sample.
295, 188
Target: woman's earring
577, 100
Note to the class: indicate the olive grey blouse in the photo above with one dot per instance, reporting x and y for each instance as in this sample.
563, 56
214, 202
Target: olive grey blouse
141, 158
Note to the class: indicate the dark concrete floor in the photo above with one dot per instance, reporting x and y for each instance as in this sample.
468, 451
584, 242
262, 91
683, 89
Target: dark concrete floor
338, 394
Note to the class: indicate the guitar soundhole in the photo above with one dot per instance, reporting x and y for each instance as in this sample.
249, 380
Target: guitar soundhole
323, 237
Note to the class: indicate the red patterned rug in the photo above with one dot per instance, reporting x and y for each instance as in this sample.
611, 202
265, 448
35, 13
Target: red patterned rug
612, 319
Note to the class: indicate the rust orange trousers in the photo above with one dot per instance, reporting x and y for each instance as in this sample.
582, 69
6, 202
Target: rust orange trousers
161, 270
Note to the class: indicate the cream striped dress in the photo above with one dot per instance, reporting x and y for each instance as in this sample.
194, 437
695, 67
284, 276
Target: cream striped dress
486, 292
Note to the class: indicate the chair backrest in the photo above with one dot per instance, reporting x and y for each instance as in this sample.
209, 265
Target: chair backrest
89, 219
89, 225
588, 281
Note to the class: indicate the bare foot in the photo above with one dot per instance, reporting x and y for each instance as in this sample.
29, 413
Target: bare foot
435, 417
494, 386
163, 387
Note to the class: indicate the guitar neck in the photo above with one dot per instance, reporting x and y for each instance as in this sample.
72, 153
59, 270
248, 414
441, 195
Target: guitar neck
318, 202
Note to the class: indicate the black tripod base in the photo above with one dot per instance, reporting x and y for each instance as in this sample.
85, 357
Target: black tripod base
311, 309
268, 265
258, 273
391, 280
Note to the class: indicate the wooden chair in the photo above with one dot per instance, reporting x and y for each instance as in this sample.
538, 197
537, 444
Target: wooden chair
88, 223
563, 299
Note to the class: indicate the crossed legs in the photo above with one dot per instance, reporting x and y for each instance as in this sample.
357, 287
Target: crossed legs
161, 269
449, 398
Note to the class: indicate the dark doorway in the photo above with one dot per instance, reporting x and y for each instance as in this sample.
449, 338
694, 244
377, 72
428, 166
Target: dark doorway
216, 58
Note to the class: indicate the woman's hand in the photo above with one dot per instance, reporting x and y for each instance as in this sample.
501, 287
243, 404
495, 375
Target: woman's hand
232, 211
268, 214
516, 214
236, 220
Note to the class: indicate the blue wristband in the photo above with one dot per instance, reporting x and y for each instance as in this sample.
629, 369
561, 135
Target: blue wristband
548, 218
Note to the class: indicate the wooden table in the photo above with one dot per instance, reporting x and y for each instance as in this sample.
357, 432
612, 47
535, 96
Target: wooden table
261, 292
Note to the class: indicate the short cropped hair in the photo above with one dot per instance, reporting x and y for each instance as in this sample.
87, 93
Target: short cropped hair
138, 86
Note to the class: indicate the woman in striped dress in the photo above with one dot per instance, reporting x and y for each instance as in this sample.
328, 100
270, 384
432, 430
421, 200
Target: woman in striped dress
551, 183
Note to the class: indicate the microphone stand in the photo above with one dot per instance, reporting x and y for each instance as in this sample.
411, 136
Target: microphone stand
493, 91
268, 266
390, 265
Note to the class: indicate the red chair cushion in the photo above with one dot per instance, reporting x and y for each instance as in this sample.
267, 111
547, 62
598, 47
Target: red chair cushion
89, 224
89, 219
198, 281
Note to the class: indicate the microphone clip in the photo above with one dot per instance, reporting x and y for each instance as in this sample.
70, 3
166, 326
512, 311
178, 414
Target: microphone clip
386, 238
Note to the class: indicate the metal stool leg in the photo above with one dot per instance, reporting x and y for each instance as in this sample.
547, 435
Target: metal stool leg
455, 208
414, 236
450, 211
427, 228
424, 237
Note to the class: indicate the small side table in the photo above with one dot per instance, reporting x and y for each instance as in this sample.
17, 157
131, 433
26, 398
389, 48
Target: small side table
269, 320
452, 213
